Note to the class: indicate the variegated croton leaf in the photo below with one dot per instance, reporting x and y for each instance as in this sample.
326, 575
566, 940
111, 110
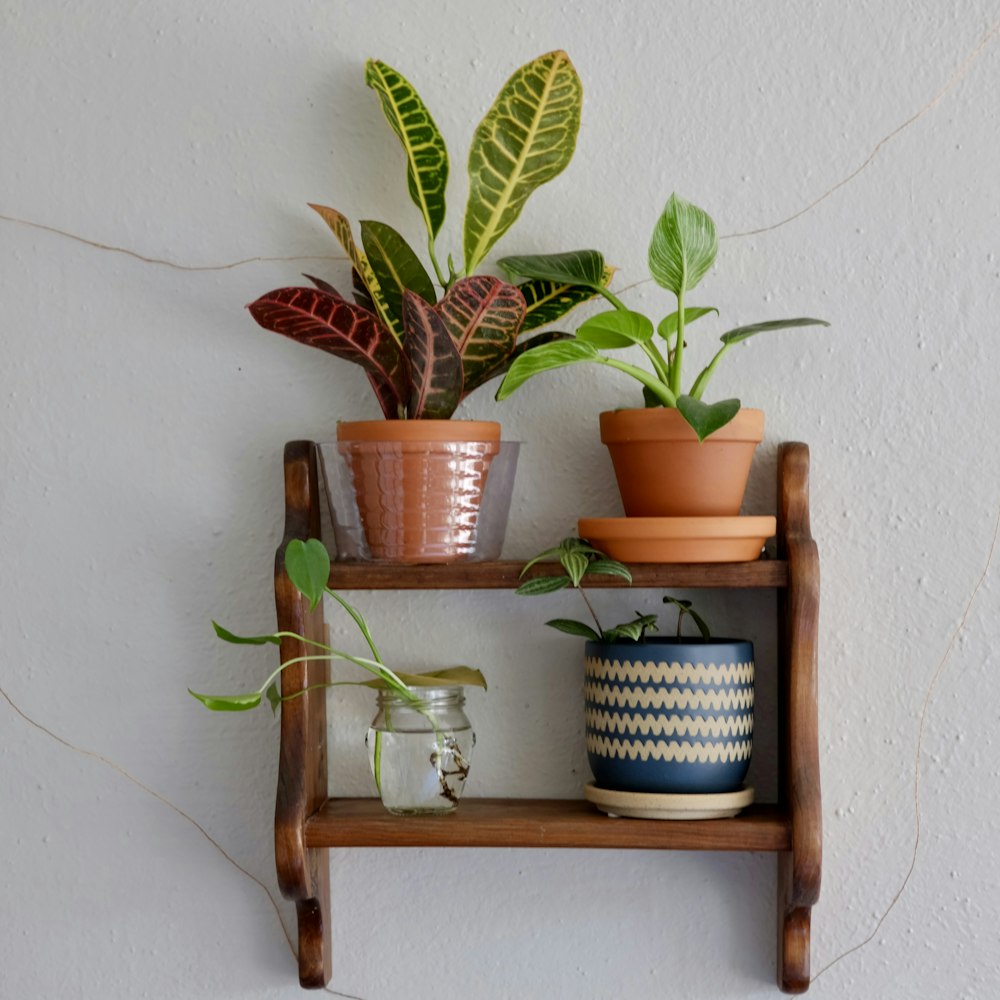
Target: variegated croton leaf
435, 366
483, 315
323, 319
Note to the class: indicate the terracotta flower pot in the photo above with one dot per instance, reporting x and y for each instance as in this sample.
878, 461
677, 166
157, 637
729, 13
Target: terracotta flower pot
664, 471
419, 484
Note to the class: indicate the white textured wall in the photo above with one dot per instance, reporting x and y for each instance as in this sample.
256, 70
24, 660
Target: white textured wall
144, 415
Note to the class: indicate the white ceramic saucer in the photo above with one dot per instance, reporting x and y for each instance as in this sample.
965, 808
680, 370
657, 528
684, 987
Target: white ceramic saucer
647, 805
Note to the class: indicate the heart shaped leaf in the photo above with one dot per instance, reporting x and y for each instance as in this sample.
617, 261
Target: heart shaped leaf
244, 640
526, 139
667, 328
742, 333
542, 585
308, 566
426, 155
707, 418
683, 246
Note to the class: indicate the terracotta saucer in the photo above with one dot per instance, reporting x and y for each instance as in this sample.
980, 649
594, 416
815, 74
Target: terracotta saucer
649, 805
679, 539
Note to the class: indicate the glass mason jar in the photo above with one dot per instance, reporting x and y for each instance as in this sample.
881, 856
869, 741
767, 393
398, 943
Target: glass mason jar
420, 750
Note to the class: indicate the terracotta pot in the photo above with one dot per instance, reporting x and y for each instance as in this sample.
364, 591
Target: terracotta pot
419, 484
664, 471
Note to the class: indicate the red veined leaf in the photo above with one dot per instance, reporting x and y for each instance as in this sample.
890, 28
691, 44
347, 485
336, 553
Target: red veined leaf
434, 362
484, 316
319, 319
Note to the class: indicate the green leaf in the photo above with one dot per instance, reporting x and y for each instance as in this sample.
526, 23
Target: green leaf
426, 155
573, 267
244, 640
542, 585
633, 630
466, 676
684, 608
705, 418
575, 564
610, 567
308, 567
341, 228
683, 246
548, 301
546, 357
574, 628
668, 325
742, 333
397, 268
273, 697
228, 703
526, 139
615, 328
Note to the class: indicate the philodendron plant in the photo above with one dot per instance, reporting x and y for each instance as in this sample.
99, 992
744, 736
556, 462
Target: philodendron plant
308, 567
683, 248
580, 559
423, 355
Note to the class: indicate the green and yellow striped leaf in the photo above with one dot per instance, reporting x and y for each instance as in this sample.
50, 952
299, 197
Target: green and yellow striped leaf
527, 138
548, 301
395, 264
426, 155
341, 228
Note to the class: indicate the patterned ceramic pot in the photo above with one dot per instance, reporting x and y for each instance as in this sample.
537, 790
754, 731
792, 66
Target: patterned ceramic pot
669, 715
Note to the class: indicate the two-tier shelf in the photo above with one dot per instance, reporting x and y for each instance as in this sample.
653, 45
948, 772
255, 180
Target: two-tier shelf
308, 822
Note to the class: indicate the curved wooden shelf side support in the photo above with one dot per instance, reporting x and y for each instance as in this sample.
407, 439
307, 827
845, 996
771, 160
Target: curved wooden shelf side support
303, 873
799, 869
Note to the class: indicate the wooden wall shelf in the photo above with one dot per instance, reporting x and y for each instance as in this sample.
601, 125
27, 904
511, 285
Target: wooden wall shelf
308, 823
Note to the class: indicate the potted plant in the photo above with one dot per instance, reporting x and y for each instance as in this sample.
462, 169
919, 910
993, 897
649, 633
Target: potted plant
420, 741
665, 715
678, 455
424, 352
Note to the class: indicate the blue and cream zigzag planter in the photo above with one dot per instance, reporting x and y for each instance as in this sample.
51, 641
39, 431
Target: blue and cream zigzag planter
669, 715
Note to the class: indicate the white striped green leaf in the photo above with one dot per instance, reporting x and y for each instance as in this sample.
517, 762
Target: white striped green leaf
683, 246
426, 155
526, 139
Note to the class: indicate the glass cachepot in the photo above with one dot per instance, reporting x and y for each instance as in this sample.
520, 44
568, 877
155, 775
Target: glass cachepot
420, 750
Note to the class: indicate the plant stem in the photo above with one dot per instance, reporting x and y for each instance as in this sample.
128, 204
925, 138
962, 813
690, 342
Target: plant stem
442, 280
675, 364
593, 613
359, 621
656, 359
611, 297
659, 389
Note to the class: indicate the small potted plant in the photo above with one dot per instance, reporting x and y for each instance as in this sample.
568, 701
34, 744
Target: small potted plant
425, 343
665, 715
420, 741
678, 455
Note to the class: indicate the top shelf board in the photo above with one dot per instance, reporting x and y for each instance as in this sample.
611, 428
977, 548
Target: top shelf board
505, 575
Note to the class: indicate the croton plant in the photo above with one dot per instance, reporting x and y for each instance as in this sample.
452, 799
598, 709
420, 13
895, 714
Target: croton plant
424, 353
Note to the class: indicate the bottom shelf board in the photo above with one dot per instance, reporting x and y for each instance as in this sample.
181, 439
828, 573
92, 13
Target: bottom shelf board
541, 823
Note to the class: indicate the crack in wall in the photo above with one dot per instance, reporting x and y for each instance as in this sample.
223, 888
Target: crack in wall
952, 82
101, 759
